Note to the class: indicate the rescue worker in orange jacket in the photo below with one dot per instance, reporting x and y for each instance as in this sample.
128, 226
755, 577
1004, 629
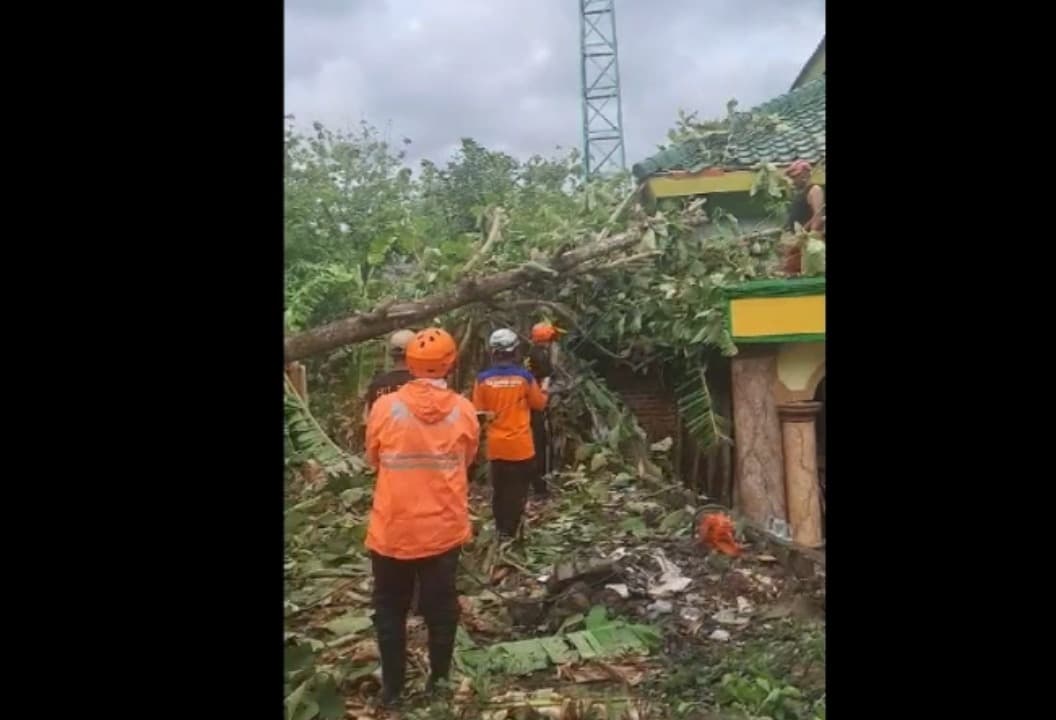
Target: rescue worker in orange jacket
420, 439
509, 392
540, 363
392, 380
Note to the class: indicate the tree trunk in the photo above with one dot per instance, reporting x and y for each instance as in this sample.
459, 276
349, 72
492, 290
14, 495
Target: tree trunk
390, 316
759, 488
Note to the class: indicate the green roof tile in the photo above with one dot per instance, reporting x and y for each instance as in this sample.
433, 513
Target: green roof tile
800, 135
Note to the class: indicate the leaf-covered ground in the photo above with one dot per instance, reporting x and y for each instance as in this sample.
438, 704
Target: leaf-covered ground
716, 637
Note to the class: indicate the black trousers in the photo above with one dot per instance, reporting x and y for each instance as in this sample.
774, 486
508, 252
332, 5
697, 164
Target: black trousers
542, 449
438, 601
509, 481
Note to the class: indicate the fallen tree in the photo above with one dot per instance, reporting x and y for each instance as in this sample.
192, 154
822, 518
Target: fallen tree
489, 242
391, 315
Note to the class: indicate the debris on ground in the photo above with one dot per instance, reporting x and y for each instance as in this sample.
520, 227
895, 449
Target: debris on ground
549, 703
659, 607
569, 571
671, 578
716, 532
602, 639
595, 597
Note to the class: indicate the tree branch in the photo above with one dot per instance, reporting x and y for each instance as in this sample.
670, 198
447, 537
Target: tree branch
619, 210
559, 308
493, 235
364, 326
626, 260
565, 312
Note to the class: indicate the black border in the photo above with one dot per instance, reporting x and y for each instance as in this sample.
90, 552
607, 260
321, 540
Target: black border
170, 345
175, 456
920, 541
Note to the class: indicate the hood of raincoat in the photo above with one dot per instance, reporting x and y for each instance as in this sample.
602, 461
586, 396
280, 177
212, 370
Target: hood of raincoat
429, 402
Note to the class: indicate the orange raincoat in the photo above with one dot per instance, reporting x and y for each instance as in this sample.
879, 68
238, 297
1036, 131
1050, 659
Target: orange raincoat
511, 392
420, 439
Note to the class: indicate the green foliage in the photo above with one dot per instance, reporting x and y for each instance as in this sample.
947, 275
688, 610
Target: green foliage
362, 228
310, 691
774, 188
814, 256
694, 406
347, 218
305, 439
760, 696
603, 638
778, 677
324, 527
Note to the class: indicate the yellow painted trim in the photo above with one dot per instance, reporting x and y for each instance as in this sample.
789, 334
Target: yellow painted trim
680, 184
774, 316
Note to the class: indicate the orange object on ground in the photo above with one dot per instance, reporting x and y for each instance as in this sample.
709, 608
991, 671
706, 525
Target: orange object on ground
511, 392
421, 439
717, 532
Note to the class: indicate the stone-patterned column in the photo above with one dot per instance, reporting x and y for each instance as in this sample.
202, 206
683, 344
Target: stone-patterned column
759, 482
801, 471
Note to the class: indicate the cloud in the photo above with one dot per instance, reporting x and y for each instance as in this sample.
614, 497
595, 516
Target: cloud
506, 72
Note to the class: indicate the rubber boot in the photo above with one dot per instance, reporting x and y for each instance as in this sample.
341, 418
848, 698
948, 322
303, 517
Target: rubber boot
441, 648
392, 646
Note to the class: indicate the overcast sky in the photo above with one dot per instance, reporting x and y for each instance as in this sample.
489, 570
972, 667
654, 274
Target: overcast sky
506, 72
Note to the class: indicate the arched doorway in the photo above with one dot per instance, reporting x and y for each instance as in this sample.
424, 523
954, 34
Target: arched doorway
819, 396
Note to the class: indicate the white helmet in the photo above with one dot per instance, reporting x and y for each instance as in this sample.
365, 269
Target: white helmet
502, 339
399, 340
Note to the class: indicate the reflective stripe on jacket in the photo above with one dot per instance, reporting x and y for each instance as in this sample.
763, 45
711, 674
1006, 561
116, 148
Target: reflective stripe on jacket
420, 439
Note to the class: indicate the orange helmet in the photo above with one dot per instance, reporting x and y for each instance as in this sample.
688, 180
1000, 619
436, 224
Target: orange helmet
544, 332
431, 354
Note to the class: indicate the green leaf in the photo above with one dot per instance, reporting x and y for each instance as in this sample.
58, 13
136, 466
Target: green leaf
348, 624
307, 710
677, 519
596, 617
650, 636
634, 525
558, 650
598, 462
297, 657
570, 621
331, 704
297, 699
463, 641
695, 406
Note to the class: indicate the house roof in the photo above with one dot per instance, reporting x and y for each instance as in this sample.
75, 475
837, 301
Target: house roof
818, 51
799, 135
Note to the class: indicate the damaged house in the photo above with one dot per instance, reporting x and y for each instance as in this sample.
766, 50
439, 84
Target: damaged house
774, 386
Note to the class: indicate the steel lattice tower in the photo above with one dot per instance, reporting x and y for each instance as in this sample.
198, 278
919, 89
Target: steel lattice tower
600, 83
